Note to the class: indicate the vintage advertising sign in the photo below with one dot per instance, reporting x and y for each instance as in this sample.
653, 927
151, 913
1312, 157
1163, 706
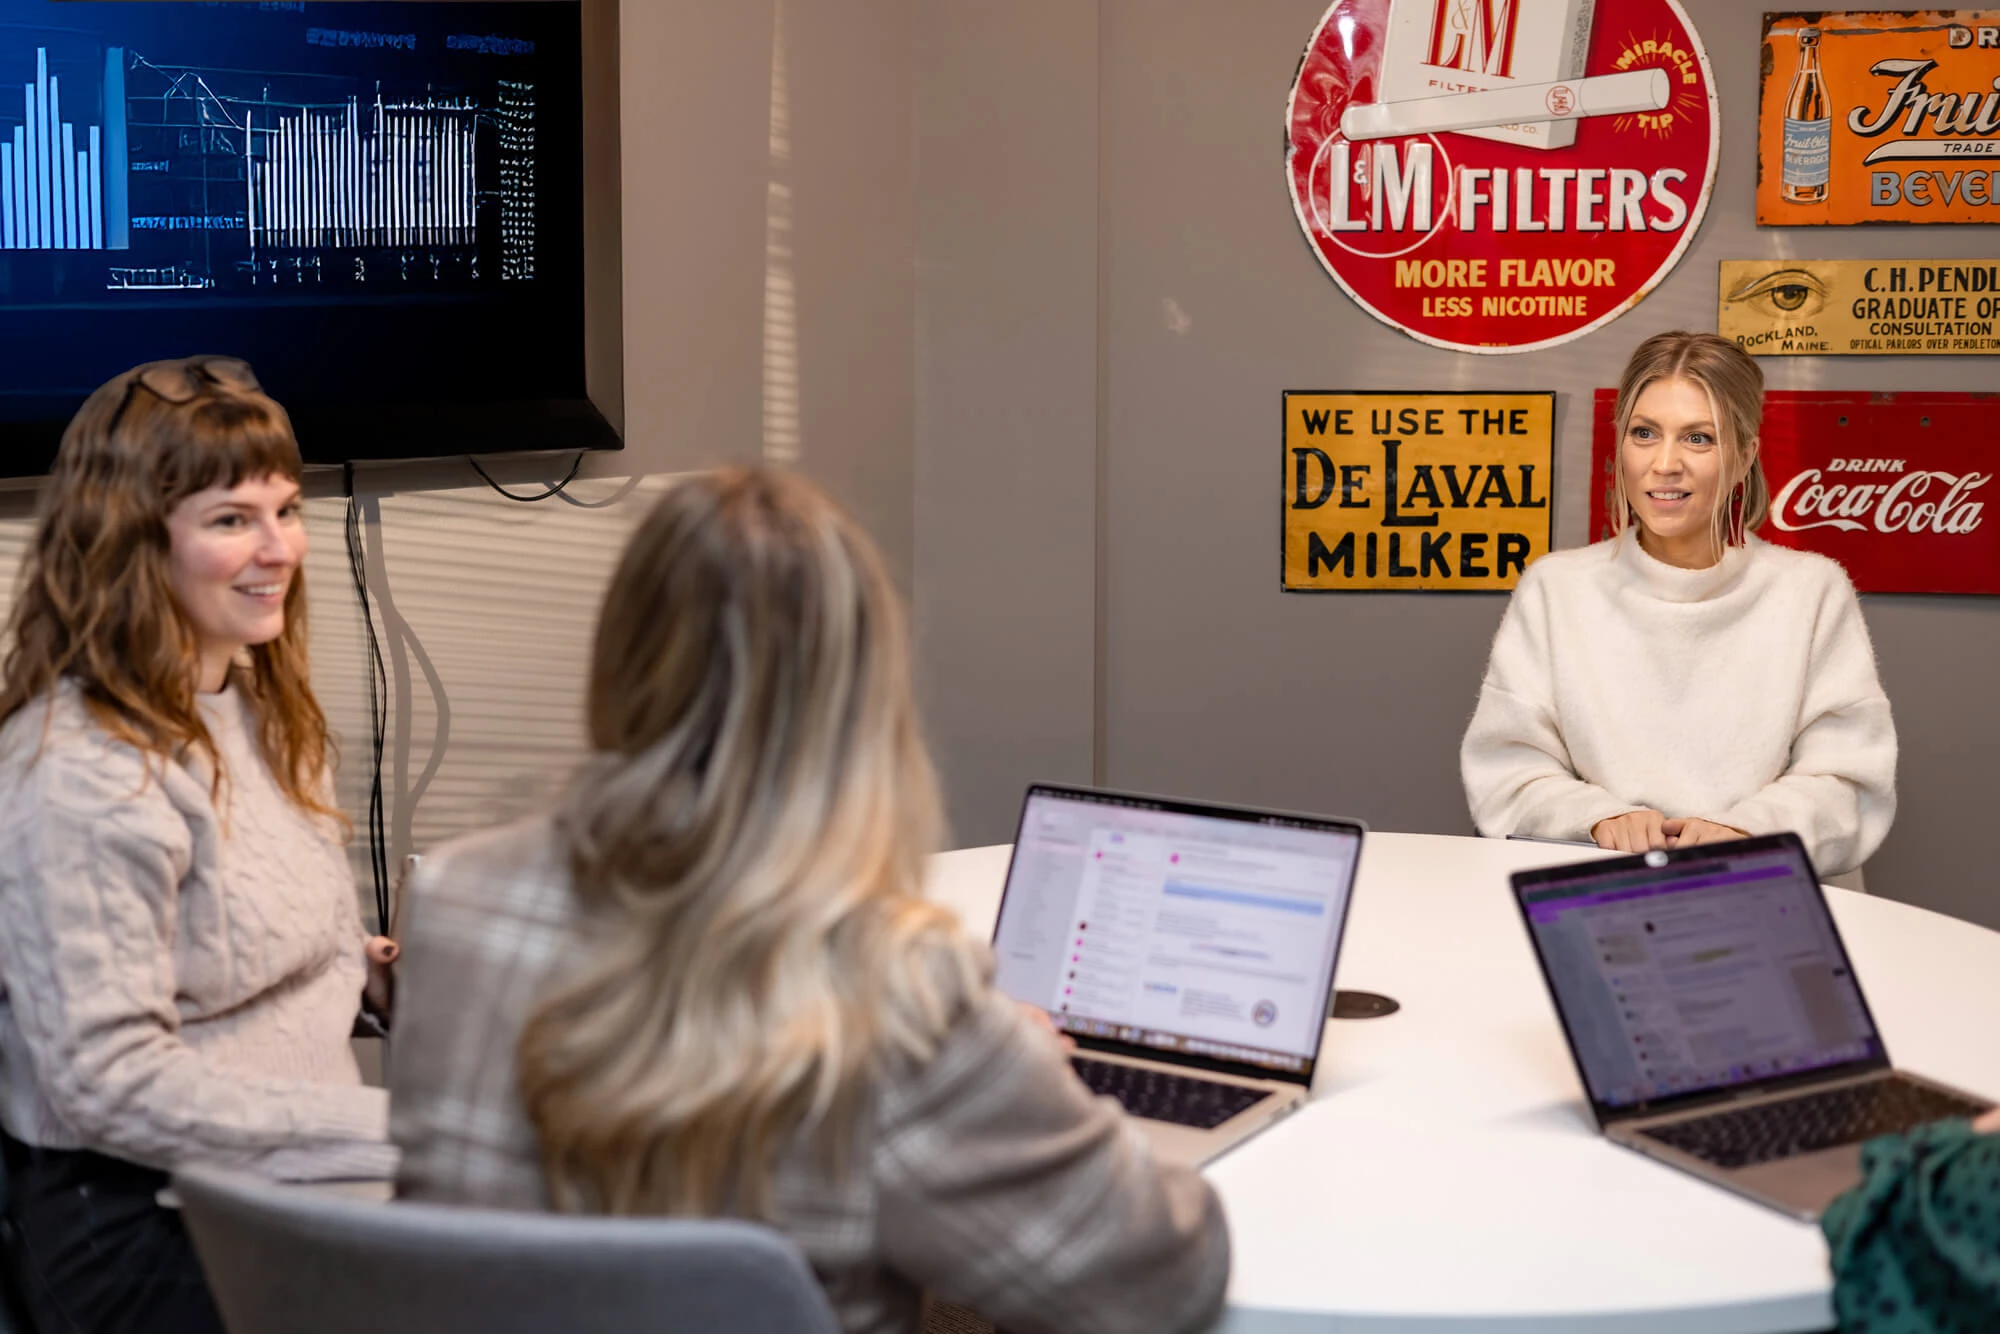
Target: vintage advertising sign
1835, 307
1415, 491
1501, 175
1879, 117
1893, 486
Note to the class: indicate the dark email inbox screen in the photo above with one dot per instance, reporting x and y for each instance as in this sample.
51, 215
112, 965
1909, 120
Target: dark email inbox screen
1721, 973
372, 203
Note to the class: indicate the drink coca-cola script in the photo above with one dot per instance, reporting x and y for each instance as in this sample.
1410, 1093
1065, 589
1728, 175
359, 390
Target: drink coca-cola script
1917, 502
1893, 486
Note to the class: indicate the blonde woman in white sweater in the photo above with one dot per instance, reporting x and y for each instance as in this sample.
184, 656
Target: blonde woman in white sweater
1683, 682
181, 953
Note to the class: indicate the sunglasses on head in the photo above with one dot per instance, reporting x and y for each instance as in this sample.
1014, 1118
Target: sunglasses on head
186, 379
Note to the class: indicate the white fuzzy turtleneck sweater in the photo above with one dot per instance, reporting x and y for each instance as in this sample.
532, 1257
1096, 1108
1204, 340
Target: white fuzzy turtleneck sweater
179, 981
1745, 694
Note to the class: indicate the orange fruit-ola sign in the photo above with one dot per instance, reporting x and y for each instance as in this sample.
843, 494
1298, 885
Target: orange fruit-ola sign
1879, 117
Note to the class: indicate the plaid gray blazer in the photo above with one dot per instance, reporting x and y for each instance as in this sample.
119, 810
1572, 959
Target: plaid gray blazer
987, 1176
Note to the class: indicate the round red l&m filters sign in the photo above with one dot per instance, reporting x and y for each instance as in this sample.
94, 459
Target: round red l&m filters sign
1501, 175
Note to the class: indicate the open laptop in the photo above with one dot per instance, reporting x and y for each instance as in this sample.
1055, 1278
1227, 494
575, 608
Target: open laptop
1716, 1021
1188, 948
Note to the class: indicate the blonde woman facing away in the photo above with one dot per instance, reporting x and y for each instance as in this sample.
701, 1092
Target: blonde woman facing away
1684, 682
180, 947
708, 983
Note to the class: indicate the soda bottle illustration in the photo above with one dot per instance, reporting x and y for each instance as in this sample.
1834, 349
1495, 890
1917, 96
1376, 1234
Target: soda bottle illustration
1808, 128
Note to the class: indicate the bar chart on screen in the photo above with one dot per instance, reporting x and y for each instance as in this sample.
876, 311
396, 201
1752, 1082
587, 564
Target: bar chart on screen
392, 175
352, 161
315, 185
52, 168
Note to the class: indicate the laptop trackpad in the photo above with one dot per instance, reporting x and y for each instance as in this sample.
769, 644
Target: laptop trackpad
1807, 1181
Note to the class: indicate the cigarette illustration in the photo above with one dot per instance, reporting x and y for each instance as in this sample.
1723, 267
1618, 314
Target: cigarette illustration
1568, 99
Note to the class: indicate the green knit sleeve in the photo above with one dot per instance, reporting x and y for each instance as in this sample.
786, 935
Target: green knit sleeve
1916, 1246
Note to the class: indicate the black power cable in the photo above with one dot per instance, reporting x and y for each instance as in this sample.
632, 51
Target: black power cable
378, 674
378, 708
549, 493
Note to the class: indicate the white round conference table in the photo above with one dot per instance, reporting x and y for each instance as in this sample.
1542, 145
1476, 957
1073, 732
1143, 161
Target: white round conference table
1447, 1176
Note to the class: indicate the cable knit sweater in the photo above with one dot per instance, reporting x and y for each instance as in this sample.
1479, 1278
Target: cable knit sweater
179, 981
1745, 694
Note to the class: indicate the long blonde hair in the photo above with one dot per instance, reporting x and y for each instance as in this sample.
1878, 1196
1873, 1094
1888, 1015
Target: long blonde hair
1734, 384
95, 605
748, 844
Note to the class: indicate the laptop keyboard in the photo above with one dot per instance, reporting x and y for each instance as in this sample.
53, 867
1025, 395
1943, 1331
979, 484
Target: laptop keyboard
1159, 1096
1814, 1121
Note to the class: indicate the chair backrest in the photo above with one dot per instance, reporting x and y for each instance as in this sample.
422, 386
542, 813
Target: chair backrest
11, 1318
292, 1260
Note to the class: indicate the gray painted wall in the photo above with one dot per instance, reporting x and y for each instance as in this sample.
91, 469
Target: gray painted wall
769, 156
1007, 400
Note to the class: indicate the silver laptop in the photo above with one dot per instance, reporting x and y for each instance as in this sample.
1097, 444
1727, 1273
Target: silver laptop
1188, 948
1716, 1021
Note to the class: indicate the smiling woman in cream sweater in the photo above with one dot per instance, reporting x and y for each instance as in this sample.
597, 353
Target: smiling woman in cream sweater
181, 956
1683, 682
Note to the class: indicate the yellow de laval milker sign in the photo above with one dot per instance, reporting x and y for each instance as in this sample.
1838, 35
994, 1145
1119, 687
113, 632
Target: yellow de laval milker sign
1415, 490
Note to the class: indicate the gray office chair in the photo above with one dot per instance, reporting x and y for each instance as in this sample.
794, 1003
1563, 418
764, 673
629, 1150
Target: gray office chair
11, 1317
289, 1260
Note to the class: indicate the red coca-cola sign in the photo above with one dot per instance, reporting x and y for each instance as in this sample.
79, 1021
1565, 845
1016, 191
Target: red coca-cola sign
1501, 175
1893, 486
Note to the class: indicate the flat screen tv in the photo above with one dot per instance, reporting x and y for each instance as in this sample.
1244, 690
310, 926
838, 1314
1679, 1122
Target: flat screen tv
378, 205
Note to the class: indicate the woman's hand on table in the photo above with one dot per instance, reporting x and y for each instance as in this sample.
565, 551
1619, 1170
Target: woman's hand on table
1692, 830
1642, 831
1634, 831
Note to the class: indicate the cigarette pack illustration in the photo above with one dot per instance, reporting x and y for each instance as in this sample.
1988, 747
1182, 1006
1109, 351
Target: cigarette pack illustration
1437, 48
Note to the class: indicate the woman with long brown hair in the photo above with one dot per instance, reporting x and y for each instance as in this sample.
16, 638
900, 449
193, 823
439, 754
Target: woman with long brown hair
180, 946
1683, 682
709, 983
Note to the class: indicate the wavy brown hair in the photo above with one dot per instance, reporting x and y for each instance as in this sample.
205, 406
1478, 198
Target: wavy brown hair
748, 843
94, 605
1734, 384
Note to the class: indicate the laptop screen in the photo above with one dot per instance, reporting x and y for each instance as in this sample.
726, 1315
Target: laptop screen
1185, 929
1708, 972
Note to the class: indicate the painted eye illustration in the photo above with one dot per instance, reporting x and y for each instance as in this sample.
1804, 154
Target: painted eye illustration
1794, 292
